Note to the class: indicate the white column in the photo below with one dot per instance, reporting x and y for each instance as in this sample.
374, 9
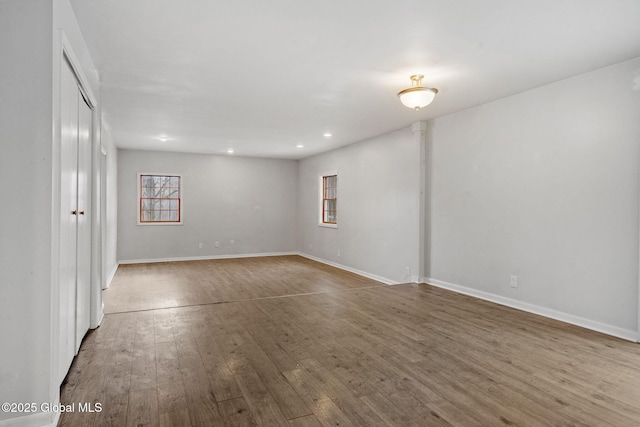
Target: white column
422, 134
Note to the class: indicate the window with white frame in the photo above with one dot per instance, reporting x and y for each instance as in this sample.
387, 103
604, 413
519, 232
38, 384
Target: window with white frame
329, 199
159, 199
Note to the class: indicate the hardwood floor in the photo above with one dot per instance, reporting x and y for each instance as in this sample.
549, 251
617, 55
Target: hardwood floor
290, 342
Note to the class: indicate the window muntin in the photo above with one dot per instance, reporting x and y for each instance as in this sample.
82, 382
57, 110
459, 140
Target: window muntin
329, 199
160, 199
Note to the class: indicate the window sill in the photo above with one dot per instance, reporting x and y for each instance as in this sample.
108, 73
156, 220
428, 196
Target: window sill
322, 224
159, 223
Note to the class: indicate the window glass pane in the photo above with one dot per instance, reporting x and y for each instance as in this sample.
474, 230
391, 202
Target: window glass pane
329, 198
160, 198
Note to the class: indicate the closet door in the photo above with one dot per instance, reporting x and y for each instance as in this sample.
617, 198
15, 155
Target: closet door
75, 219
68, 216
83, 265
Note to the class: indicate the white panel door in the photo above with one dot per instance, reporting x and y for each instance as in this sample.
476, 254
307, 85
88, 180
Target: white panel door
75, 218
68, 216
83, 270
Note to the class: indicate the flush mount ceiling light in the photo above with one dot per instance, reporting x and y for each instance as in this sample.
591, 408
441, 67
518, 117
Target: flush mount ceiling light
417, 96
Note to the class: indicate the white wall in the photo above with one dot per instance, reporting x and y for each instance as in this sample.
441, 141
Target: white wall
220, 198
544, 185
29, 45
378, 206
25, 219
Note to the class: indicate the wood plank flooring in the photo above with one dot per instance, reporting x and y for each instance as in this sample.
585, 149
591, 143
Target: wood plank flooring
284, 341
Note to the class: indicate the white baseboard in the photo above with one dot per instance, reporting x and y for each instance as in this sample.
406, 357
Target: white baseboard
350, 269
99, 322
39, 419
202, 258
535, 309
111, 276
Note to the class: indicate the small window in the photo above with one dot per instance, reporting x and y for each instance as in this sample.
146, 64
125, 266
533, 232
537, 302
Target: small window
160, 199
329, 199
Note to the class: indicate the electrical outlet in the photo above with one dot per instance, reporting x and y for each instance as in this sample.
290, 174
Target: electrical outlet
200, 245
407, 271
216, 244
338, 252
514, 281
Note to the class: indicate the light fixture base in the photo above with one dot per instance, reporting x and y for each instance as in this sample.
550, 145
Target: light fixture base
417, 79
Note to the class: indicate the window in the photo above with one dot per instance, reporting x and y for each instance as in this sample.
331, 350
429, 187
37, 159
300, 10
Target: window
160, 199
329, 199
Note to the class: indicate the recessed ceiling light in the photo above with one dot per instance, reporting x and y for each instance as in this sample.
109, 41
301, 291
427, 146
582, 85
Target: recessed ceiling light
230, 151
327, 135
299, 146
163, 138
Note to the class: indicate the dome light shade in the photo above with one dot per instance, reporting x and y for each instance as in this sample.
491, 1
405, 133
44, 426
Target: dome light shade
417, 96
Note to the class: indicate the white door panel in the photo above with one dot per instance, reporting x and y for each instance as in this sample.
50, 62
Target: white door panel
68, 216
75, 222
83, 279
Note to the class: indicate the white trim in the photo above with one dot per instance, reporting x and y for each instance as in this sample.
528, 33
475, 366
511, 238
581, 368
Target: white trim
181, 200
350, 269
111, 276
85, 87
321, 176
322, 224
100, 319
62, 51
615, 331
202, 258
638, 306
39, 419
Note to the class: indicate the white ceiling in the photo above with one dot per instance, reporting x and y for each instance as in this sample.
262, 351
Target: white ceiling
264, 76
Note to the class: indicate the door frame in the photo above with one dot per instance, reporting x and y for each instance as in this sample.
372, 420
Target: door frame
62, 49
